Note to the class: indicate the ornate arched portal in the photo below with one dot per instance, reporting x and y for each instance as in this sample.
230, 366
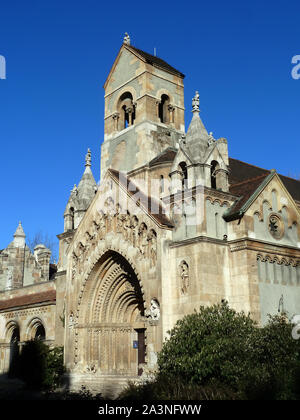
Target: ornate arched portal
111, 329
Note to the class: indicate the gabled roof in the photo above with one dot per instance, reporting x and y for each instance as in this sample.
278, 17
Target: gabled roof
167, 156
244, 190
147, 58
145, 201
241, 171
248, 189
155, 61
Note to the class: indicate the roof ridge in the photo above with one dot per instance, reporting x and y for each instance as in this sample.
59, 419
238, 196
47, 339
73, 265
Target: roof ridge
264, 169
293, 179
250, 164
249, 179
160, 62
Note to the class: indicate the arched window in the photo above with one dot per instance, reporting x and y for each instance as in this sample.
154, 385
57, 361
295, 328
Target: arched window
40, 333
126, 111
71, 217
163, 113
161, 184
213, 175
217, 225
184, 175
14, 351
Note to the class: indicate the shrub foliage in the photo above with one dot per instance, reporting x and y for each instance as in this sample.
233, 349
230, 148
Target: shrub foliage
218, 353
40, 366
219, 345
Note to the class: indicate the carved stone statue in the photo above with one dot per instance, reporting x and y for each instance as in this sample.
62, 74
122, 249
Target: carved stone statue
184, 274
152, 247
134, 224
154, 311
119, 217
126, 226
143, 242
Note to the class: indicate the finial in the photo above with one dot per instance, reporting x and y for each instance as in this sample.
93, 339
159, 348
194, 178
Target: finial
126, 39
195, 103
88, 158
74, 190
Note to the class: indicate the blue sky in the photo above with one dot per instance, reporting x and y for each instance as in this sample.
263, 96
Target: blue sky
58, 55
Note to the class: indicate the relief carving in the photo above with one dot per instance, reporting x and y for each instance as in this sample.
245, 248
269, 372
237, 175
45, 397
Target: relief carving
123, 223
143, 242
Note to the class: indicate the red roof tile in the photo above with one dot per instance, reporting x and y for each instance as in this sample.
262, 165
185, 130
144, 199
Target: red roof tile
26, 300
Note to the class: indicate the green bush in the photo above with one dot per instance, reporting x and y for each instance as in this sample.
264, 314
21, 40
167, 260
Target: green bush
217, 345
167, 388
40, 366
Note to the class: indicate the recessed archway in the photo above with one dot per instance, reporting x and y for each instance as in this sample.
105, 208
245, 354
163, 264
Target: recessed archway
112, 339
13, 337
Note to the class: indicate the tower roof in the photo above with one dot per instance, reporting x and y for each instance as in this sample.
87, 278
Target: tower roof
82, 194
19, 237
19, 232
87, 184
197, 139
144, 56
155, 61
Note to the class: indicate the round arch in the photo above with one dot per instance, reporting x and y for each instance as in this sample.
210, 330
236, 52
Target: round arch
111, 308
12, 328
36, 330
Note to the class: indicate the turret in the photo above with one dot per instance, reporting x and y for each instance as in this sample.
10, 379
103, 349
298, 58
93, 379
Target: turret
80, 197
201, 159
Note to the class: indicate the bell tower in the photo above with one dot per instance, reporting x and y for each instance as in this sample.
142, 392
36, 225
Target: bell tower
144, 109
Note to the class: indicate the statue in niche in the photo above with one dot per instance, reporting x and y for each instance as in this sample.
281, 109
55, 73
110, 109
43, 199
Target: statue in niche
134, 224
99, 224
127, 225
109, 213
120, 219
184, 275
154, 311
152, 247
143, 242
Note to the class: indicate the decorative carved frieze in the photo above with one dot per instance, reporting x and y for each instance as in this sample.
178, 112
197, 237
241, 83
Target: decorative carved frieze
114, 220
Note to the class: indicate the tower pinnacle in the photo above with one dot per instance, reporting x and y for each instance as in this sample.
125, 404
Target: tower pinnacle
88, 158
195, 103
126, 39
19, 237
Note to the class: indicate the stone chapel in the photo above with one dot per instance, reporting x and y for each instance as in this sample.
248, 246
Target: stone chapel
175, 223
